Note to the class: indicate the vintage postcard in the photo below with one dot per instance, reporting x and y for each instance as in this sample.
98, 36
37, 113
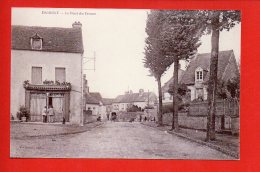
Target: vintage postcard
125, 83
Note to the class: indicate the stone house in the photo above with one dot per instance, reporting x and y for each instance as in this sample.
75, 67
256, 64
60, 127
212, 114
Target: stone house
46, 70
141, 99
196, 75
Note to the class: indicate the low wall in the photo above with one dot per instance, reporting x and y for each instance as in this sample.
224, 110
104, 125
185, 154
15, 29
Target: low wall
223, 107
127, 116
150, 114
88, 118
199, 122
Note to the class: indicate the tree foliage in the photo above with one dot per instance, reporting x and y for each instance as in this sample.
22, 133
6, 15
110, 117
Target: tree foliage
229, 89
222, 92
181, 34
227, 19
155, 60
233, 86
182, 89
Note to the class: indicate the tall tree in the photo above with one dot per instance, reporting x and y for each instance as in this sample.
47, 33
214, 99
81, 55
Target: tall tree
180, 39
154, 58
214, 22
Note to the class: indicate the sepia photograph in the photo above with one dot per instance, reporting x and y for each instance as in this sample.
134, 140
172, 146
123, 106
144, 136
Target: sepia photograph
125, 83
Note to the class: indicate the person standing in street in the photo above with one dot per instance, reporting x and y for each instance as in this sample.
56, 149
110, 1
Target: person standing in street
44, 114
51, 114
108, 116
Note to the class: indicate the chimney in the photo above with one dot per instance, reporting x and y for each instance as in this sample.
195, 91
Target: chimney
76, 24
141, 91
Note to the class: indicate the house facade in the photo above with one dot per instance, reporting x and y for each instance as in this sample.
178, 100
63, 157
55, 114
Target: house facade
141, 99
47, 71
196, 75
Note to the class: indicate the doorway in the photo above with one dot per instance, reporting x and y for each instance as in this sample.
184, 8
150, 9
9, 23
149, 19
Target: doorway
57, 102
37, 103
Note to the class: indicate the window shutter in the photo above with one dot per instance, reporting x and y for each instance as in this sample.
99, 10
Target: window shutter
60, 74
36, 75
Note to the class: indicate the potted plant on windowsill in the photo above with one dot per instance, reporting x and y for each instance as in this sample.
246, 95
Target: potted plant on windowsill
23, 114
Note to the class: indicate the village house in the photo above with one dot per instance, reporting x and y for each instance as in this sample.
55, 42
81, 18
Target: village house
166, 96
141, 99
94, 103
196, 75
47, 71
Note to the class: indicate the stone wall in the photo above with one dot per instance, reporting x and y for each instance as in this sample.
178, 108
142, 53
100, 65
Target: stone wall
199, 122
193, 122
127, 116
223, 107
88, 118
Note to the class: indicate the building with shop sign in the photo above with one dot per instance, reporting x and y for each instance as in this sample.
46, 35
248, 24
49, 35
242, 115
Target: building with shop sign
46, 70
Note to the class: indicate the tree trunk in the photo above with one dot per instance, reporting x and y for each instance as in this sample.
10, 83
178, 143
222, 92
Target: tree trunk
213, 77
160, 101
175, 125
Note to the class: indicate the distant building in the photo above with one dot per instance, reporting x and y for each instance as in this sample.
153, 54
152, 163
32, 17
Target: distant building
46, 70
141, 99
94, 102
196, 75
108, 103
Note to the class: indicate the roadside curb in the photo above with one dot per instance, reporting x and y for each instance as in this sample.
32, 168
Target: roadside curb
218, 148
58, 134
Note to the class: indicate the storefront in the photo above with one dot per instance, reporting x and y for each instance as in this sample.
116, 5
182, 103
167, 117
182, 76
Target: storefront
38, 97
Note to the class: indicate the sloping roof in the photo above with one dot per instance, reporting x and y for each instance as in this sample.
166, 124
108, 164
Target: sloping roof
93, 98
107, 101
96, 95
134, 97
165, 87
55, 39
203, 61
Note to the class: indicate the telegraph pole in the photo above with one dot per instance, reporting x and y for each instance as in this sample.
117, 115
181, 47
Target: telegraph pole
89, 59
148, 98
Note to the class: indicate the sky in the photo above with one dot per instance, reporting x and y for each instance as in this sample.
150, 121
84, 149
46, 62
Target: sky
115, 37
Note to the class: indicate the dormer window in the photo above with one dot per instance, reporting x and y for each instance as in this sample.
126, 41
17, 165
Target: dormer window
36, 42
199, 74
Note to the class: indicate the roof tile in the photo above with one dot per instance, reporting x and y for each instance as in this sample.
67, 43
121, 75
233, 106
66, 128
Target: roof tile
203, 61
55, 39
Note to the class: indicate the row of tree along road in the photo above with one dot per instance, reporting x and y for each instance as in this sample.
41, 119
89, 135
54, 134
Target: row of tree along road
174, 35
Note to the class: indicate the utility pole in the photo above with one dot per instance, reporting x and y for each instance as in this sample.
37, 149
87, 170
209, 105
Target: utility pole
148, 98
89, 59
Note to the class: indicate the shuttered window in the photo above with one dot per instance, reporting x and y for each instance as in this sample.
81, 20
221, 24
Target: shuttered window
36, 75
60, 74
